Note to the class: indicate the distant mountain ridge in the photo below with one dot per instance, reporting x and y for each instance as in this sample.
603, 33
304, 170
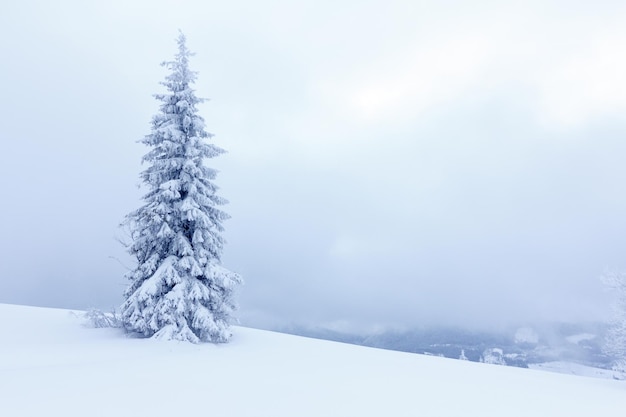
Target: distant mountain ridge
521, 346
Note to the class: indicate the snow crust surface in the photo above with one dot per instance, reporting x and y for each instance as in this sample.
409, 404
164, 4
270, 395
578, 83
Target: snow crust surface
576, 369
52, 365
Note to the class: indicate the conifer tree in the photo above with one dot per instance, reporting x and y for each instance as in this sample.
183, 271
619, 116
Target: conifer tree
615, 339
179, 289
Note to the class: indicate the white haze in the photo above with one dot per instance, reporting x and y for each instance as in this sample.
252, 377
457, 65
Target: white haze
390, 163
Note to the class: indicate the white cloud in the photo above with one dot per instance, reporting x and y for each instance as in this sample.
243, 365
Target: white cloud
411, 80
350, 247
588, 85
568, 71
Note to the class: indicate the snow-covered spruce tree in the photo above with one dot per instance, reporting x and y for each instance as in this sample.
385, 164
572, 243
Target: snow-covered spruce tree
615, 339
179, 290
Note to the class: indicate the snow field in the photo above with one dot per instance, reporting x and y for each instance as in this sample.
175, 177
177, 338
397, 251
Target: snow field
52, 365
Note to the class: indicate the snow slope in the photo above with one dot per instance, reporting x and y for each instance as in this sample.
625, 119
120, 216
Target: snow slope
51, 365
576, 369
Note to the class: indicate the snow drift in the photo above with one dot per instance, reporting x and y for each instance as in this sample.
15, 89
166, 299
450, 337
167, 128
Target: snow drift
52, 365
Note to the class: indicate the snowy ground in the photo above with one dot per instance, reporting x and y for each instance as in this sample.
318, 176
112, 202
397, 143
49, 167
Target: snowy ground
576, 369
51, 365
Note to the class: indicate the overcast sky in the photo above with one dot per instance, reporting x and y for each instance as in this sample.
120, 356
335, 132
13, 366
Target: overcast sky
390, 162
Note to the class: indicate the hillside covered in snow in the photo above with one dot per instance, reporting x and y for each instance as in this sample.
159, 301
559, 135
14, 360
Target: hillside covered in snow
51, 364
558, 347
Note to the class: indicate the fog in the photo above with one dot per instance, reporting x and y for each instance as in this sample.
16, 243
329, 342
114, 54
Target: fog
389, 163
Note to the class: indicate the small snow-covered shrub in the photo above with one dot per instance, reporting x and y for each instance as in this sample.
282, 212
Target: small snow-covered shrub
98, 319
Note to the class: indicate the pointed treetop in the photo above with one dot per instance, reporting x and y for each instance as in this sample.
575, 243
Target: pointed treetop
182, 45
181, 76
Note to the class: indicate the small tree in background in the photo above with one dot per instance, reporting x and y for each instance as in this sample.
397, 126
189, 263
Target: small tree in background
615, 339
494, 356
179, 290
